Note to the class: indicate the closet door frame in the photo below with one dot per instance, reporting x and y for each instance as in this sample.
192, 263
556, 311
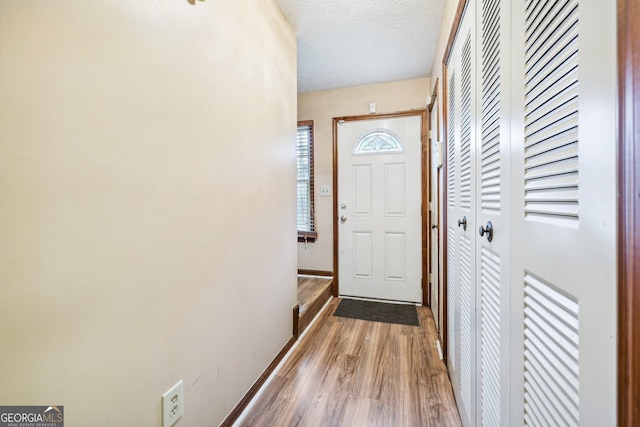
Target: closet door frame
628, 213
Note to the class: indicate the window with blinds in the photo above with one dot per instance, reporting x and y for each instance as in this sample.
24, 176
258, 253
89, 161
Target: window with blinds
304, 150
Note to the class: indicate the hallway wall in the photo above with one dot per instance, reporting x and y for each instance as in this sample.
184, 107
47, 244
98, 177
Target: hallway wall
145, 156
322, 107
448, 15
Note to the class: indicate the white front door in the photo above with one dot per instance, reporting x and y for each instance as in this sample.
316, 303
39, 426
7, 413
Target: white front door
379, 201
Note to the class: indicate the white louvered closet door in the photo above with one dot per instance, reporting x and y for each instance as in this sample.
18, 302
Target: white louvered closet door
563, 346
453, 215
461, 143
492, 212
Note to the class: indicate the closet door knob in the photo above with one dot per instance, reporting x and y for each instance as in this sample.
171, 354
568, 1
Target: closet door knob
463, 222
488, 230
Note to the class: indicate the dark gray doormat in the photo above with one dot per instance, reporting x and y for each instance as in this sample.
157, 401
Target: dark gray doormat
378, 312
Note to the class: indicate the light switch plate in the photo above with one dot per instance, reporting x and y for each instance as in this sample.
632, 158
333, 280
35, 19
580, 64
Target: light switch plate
325, 190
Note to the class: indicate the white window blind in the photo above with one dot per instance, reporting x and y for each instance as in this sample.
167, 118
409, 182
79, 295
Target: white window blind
304, 148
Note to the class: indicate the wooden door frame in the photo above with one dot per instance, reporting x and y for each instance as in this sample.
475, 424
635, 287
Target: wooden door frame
436, 207
426, 189
628, 204
628, 213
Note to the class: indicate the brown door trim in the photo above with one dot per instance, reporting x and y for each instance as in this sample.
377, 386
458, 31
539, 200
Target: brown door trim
628, 213
435, 280
426, 159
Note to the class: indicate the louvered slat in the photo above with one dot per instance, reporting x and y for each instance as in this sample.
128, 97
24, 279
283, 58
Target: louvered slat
551, 112
451, 296
465, 126
551, 355
490, 114
490, 203
490, 338
465, 322
451, 150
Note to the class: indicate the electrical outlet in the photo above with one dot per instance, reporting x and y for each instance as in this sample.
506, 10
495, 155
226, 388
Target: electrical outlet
172, 405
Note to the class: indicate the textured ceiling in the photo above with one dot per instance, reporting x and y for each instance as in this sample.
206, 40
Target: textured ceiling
354, 42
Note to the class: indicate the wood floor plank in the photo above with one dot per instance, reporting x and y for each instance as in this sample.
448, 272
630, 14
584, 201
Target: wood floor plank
268, 405
349, 372
357, 411
313, 293
310, 289
352, 337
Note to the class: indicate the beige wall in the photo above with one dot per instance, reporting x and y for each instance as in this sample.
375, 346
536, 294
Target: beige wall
450, 7
322, 107
145, 157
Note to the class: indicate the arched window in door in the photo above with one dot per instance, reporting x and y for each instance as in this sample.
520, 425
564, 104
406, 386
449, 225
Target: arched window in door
378, 141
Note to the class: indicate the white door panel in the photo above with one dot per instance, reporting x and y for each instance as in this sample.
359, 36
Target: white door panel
394, 255
453, 215
563, 213
492, 186
461, 200
545, 298
532, 312
362, 254
394, 182
379, 199
362, 190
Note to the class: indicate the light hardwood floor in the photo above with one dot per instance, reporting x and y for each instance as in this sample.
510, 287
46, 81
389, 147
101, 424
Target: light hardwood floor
348, 372
313, 293
310, 289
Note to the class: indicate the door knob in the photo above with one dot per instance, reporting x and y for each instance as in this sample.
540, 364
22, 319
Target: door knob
434, 226
488, 230
463, 222
343, 218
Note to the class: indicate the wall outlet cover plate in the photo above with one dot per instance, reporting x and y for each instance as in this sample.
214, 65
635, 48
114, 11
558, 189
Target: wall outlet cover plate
172, 405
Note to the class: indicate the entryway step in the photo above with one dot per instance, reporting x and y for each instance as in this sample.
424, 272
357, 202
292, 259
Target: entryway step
313, 293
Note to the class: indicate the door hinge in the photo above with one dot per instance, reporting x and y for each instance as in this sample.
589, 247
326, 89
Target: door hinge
431, 278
